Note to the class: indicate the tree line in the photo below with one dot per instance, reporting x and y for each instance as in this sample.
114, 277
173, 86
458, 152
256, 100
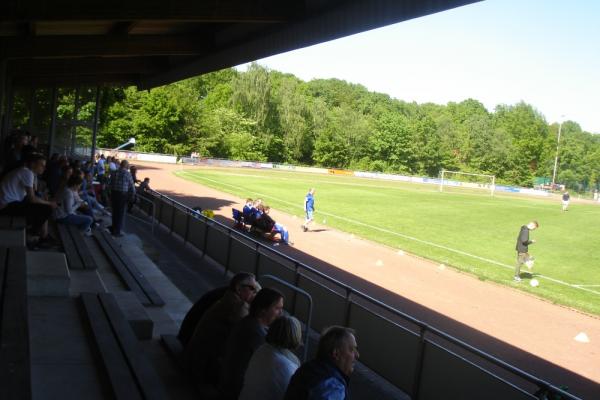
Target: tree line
266, 115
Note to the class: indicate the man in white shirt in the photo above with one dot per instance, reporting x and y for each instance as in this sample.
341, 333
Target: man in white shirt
17, 196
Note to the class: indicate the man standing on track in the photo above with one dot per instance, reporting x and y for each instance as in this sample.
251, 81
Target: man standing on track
309, 208
566, 198
523, 243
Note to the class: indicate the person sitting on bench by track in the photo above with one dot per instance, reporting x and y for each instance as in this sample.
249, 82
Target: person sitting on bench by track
276, 228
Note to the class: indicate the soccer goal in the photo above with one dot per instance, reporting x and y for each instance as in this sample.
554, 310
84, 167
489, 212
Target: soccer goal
460, 180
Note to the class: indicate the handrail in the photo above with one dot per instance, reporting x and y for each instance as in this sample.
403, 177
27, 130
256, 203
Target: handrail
141, 197
310, 306
424, 327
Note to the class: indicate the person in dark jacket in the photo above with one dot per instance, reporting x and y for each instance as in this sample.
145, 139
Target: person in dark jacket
522, 247
327, 376
246, 337
206, 346
238, 284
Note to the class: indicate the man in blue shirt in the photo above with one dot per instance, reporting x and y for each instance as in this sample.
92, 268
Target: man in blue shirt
309, 208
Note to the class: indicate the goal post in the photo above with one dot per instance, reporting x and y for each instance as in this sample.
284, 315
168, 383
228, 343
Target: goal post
457, 179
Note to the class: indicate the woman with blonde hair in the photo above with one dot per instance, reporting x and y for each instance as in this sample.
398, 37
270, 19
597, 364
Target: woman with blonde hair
273, 364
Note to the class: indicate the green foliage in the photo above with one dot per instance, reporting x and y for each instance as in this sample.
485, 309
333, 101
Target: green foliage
268, 115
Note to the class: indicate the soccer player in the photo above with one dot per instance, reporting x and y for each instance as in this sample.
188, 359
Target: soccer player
566, 198
309, 208
522, 248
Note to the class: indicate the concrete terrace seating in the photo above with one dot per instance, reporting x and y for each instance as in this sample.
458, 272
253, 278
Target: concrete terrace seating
15, 365
12, 231
175, 349
130, 374
47, 274
130, 274
77, 252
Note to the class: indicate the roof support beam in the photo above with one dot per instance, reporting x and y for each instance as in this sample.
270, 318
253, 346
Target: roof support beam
102, 46
262, 11
74, 81
86, 66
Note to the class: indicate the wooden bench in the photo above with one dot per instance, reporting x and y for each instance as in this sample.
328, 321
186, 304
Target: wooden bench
12, 231
15, 368
131, 275
76, 250
128, 369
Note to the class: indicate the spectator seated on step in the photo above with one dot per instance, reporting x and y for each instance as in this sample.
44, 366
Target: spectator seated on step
195, 314
68, 202
247, 336
88, 194
273, 364
14, 156
326, 377
18, 199
206, 346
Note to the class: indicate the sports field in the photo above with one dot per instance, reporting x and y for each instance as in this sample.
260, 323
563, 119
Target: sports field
469, 230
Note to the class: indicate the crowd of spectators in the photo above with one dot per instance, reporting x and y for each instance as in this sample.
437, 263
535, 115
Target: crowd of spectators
65, 190
255, 217
239, 344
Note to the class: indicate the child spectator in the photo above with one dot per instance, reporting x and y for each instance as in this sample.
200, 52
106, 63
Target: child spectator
144, 185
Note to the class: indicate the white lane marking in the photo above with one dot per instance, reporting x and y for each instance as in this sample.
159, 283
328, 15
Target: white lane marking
560, 282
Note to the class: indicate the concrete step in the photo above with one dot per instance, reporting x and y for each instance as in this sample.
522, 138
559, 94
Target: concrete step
47, 274
136, 314
12, 237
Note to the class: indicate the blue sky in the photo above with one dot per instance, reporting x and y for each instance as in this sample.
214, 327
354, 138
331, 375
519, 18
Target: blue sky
544, 52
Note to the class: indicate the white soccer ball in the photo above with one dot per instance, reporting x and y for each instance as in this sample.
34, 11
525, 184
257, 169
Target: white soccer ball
534, 283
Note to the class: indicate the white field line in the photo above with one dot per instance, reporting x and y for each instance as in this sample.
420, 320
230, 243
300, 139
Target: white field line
580, 287
587, 285
399, 185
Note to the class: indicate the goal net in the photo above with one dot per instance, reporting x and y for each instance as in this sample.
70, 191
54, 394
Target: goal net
455, 180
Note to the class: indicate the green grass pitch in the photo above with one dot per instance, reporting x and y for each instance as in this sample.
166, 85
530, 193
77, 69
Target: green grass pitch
468, 230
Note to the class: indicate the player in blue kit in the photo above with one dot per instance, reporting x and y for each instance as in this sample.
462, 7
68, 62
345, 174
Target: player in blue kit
309, 208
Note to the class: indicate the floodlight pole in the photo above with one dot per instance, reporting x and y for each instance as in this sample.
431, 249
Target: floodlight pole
556, 157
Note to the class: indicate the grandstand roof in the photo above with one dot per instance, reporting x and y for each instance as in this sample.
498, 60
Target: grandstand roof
152, 42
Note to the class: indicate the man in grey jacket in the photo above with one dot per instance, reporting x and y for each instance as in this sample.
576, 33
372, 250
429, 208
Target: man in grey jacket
522, 247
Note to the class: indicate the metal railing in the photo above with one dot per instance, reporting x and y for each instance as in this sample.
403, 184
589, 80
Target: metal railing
262, 278
353, 300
